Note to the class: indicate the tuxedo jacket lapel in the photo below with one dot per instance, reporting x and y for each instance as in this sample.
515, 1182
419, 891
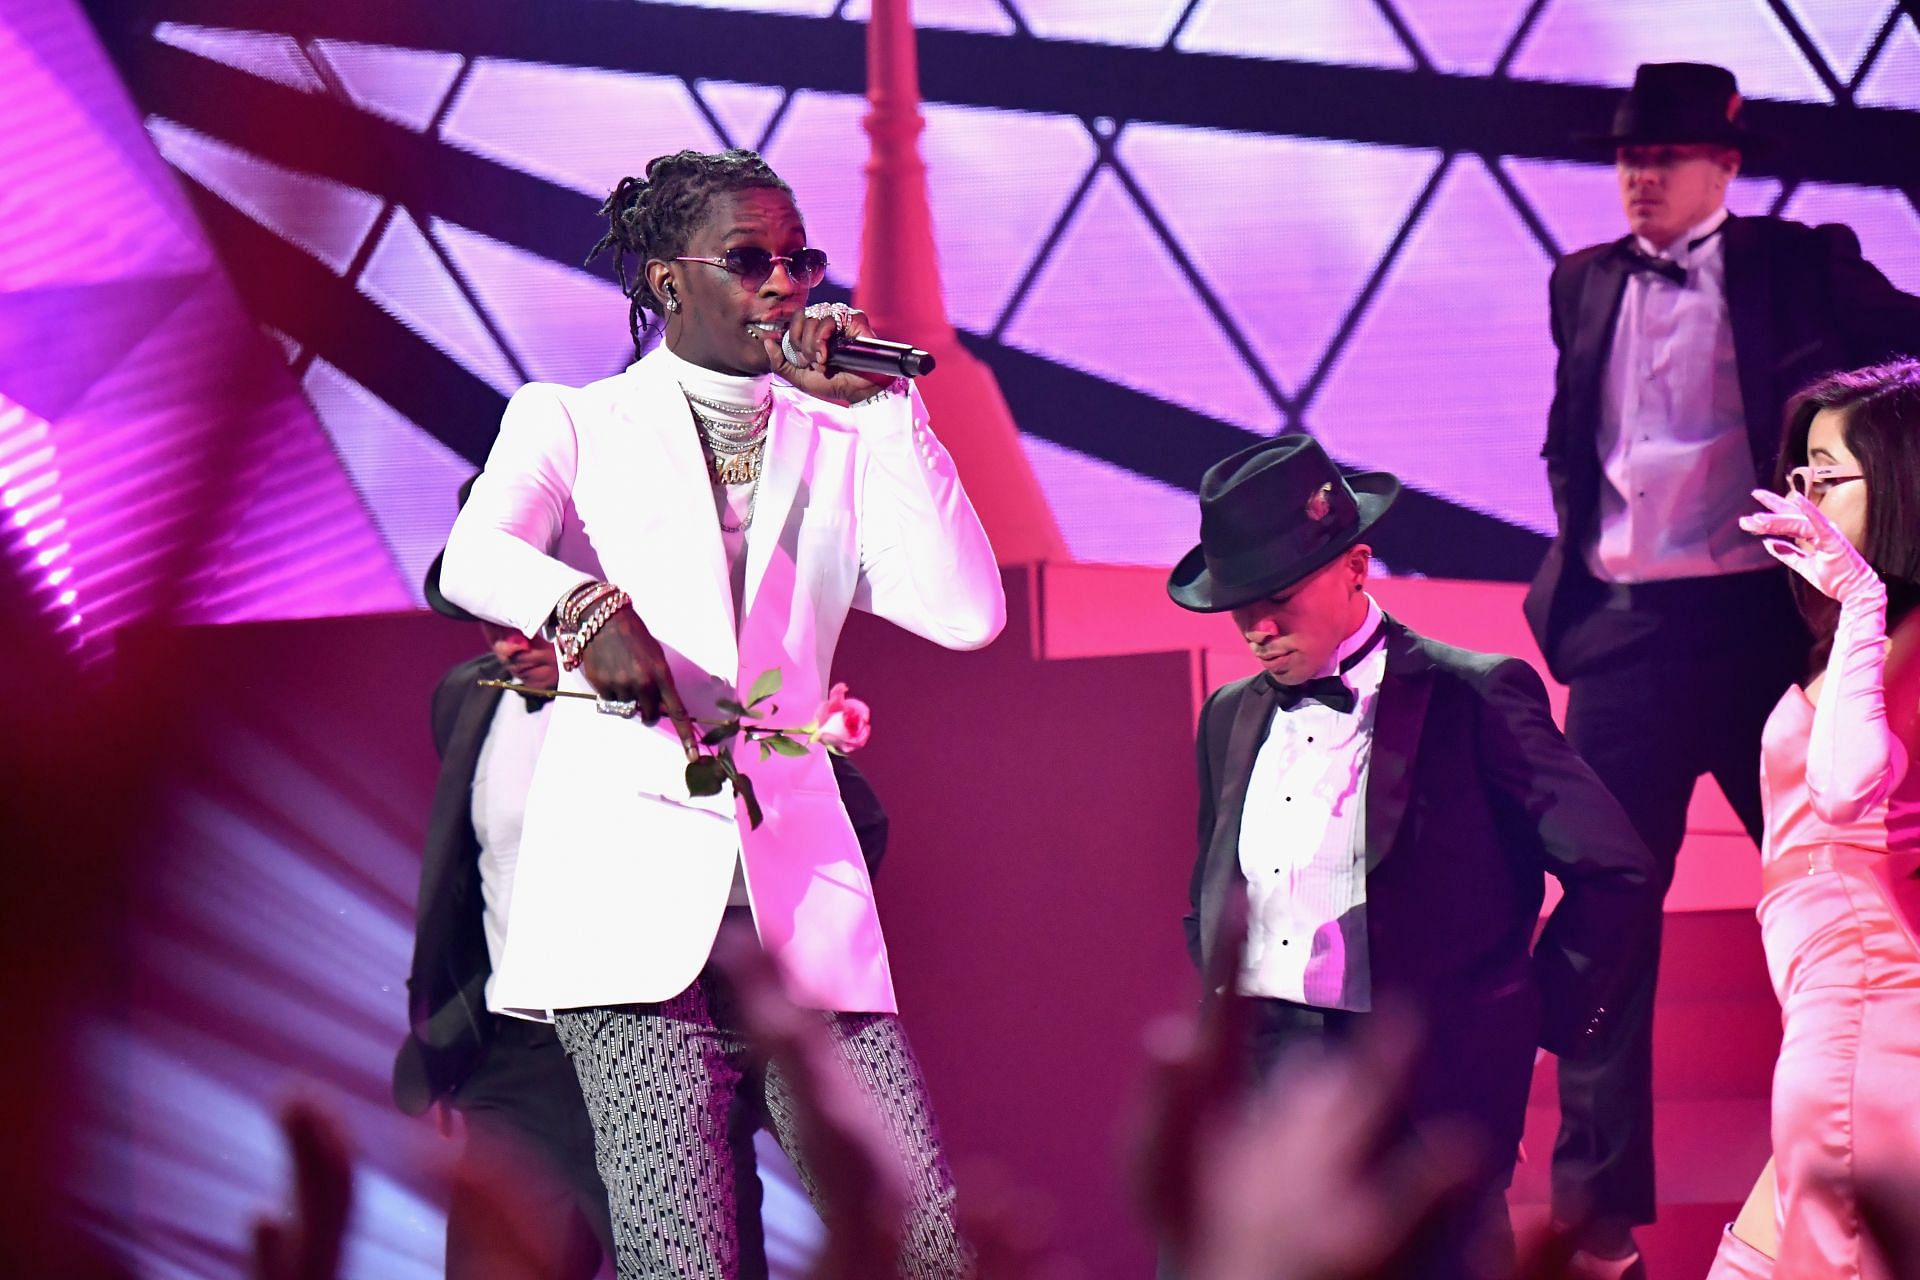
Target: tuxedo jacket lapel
1599, 308
1250, 721
1400, 713
1749, 286
1252, 715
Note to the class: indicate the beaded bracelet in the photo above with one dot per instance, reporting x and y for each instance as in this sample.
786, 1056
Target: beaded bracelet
574, 643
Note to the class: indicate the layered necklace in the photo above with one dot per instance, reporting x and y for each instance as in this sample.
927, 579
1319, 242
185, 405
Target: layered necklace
735, 439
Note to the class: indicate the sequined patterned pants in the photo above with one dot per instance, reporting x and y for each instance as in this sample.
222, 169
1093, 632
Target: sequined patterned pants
674, 1099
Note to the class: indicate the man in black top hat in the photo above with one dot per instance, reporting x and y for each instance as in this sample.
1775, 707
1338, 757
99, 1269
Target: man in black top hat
528, 1201
1389, 803
1679, 345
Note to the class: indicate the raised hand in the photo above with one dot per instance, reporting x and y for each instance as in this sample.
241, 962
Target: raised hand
854, 1165
306, 1243
808, 335
1302, 1179
624, 663
1797, 534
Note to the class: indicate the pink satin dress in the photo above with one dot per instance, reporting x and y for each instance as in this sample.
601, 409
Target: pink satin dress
1836, 917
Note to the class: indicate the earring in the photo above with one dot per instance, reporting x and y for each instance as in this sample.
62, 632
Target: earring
673, 301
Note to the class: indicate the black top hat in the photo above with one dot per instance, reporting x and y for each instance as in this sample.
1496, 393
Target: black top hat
1269, 516
1680, 102
431, 587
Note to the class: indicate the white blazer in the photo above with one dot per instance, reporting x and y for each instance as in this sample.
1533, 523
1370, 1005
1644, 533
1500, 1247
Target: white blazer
623, 877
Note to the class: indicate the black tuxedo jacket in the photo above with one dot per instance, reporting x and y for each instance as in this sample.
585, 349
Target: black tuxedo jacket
1802, 303
1471, 794
446, 989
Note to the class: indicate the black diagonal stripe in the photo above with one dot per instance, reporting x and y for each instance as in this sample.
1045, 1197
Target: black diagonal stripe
281, 286
1358, 104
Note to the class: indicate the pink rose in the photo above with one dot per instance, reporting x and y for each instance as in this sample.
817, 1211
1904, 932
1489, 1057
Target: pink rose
842, 723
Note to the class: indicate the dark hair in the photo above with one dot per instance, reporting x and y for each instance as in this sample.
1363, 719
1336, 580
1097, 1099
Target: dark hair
1879, 410
655, 216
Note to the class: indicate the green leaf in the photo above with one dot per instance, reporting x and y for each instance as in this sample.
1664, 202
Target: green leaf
705, 776
731, 706
765, 687
743, 787
766, 748
720, 732
786, 746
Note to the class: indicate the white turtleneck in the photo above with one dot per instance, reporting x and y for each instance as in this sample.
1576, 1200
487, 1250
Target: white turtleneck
731, 502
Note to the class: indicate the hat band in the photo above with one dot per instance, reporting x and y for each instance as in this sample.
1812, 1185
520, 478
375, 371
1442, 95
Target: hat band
1296, 544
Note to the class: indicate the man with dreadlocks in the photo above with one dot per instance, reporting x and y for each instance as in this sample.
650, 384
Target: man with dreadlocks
684, 526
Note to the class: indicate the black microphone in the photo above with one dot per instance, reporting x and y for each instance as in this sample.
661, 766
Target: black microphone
848, 354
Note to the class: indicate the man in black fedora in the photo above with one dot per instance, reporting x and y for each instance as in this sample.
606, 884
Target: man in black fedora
1679, 345
1389, 804
528, 1202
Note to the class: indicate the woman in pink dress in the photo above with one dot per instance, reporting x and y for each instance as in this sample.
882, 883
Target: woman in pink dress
1843, 819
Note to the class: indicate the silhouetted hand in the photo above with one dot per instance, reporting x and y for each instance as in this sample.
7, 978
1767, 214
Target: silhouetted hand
306, 1244
855, 1168
1297, 1180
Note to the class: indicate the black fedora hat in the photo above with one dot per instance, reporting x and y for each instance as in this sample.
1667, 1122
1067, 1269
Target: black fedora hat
430, 588
1674, 103
1269, 516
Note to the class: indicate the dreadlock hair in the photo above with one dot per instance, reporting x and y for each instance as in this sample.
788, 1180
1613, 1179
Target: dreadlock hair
1879, 409
655, 216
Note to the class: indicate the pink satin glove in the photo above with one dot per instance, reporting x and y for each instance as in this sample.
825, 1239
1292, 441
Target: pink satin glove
1799, 535
1853, 759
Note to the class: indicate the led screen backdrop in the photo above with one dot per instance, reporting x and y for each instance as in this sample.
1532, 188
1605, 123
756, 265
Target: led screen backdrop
1171, 226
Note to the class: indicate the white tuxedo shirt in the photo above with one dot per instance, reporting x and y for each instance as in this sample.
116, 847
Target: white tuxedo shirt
623, 877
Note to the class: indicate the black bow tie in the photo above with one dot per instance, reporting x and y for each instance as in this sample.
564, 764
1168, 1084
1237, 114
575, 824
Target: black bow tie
535, 703
1667, 269
1330, 691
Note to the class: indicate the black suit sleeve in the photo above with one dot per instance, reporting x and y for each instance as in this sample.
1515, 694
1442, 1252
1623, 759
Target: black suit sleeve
1556, 436
870, 823
1610, 906
1878, 321
1204, 762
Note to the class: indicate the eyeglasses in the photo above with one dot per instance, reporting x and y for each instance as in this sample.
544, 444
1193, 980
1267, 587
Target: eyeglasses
1815, 482
806, 267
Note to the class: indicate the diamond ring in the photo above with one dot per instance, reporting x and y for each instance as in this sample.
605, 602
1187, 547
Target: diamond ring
840, 311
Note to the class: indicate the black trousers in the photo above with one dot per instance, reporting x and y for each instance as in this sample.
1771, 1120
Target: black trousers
1687, 674
528, 1203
